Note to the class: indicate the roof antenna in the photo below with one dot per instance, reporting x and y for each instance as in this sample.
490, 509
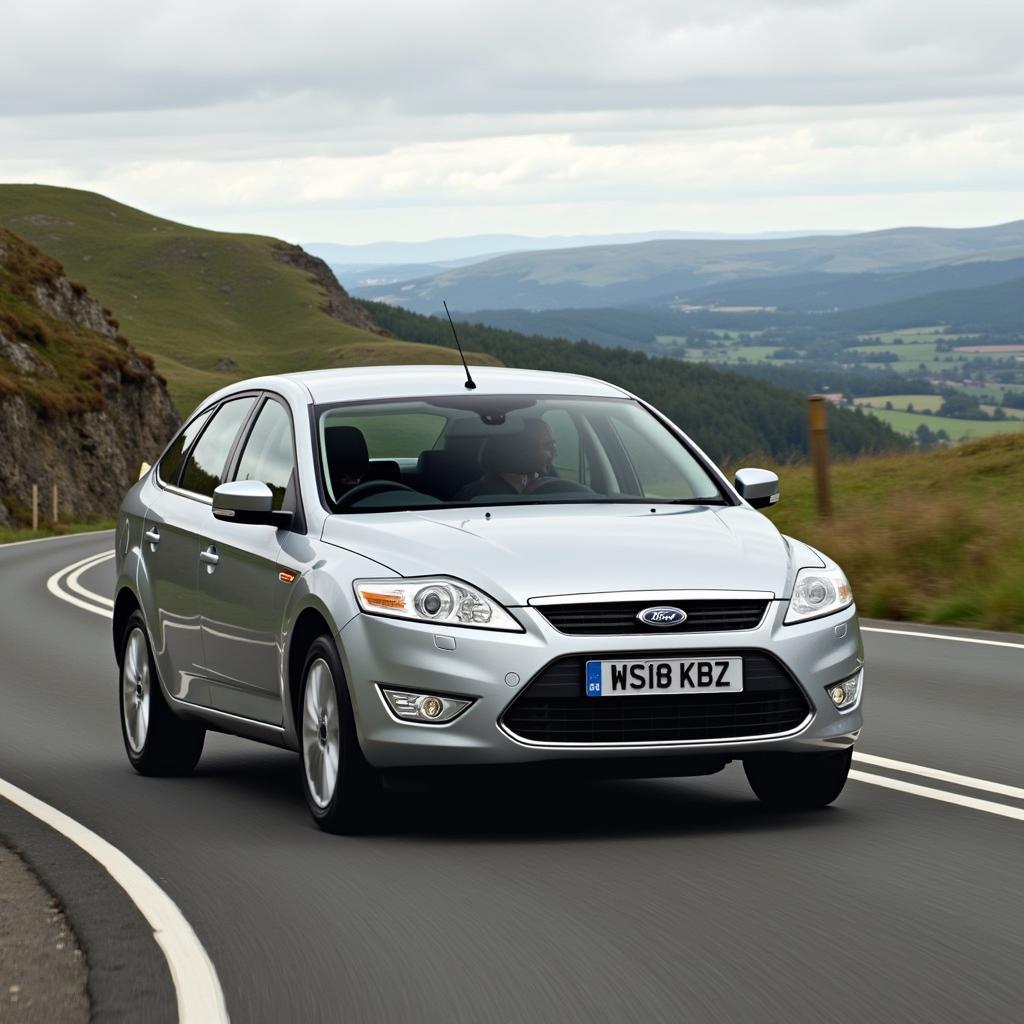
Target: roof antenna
470, 383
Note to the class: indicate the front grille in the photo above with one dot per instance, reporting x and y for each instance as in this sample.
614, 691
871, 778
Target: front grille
617, 617
553, 708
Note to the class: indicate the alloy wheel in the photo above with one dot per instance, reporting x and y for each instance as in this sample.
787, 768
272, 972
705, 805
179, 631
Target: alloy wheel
321, 733
136, 690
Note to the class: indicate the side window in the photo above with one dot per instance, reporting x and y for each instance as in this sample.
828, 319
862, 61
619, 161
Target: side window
268, 454
170, 465
206, 463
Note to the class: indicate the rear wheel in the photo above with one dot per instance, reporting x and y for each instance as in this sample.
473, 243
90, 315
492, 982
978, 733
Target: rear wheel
340, 785
156, 740
798, 782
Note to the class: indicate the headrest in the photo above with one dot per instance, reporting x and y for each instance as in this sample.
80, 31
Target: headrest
347, 454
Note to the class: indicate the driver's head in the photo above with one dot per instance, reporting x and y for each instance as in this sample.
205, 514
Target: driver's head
539, 447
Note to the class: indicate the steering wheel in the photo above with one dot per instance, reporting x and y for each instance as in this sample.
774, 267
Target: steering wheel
368, 489
556, 486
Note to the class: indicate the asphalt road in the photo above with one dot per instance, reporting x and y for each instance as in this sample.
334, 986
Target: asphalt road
651, 901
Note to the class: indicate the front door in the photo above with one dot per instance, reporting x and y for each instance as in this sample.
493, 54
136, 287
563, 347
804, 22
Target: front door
242, 598
175, 521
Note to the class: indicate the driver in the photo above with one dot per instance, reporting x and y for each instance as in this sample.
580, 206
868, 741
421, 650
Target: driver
515, 463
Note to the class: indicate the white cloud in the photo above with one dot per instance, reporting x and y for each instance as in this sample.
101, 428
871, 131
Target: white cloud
352, 122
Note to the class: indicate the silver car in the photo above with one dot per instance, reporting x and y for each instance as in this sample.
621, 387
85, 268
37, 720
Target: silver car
387, 570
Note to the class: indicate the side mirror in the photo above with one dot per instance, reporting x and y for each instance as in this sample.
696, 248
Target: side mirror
760, 487
248, 501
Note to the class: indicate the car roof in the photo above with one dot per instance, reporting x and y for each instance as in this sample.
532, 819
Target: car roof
367, 383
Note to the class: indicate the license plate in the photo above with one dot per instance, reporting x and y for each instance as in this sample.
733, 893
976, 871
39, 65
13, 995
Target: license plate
671, 675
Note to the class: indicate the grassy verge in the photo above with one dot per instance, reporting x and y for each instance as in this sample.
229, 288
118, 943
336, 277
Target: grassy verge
934, 537
10, 536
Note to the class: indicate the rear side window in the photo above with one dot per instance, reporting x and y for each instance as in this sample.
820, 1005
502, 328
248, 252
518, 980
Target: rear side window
206, 463
268, 454
170, 465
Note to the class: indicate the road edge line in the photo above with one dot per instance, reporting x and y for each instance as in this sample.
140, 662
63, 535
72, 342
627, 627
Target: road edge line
57, 536
200, 997
943, 636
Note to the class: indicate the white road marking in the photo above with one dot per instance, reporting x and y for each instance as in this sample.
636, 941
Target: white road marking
940, 794
57, 536
943, 636
200, 999
89, 595
97, 603
969, 782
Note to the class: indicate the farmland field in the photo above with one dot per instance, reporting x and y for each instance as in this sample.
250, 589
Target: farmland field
957, 429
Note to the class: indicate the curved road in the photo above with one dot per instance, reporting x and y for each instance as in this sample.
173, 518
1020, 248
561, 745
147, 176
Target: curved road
652, 901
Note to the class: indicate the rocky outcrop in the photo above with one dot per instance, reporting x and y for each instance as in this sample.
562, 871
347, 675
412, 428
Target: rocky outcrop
337, 302
79, 407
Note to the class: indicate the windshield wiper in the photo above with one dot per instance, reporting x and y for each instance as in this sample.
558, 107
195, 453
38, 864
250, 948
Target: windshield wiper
695, 501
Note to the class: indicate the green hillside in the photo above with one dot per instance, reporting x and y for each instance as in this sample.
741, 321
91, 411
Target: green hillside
928, 537
192, 297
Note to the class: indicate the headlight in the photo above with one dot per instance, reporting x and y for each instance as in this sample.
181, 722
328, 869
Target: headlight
437, 600
818, 592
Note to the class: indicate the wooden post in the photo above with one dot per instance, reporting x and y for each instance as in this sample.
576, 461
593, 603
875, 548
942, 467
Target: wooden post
55, 505
35, 507
817, 418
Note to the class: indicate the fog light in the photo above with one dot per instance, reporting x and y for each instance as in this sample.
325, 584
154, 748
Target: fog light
424, 707
846, 694
431, 707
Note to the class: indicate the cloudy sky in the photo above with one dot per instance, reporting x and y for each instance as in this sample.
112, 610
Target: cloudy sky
334, 120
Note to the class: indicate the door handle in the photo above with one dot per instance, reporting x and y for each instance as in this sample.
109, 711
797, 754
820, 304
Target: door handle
153, 536
210, 557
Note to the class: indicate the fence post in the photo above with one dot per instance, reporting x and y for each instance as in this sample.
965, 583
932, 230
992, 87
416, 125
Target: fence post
55, 505
35, 507
817, 419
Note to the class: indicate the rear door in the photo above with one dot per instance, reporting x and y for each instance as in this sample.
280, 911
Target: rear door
241, 594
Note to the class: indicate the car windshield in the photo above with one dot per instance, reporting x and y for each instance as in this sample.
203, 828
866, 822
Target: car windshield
502, 450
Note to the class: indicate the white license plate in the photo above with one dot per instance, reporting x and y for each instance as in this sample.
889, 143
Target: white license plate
670, 675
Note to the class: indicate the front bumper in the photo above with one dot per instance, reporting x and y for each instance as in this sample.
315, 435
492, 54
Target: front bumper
493, 668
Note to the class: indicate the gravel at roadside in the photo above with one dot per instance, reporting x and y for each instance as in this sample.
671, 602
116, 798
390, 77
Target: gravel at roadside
42, 969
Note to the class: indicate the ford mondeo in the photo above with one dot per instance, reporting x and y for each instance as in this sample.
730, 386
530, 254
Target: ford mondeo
387, 570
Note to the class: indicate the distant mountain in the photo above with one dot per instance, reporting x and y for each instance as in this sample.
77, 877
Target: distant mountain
652, 273
479, 247
211, 307
818, 291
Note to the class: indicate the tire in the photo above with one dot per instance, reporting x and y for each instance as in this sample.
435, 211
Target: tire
156, 740
798, 782
342, 789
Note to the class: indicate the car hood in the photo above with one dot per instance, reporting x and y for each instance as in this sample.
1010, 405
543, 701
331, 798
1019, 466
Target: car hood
519, 553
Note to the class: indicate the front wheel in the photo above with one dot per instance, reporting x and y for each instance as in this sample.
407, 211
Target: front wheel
340, 785
798, 782
156, 740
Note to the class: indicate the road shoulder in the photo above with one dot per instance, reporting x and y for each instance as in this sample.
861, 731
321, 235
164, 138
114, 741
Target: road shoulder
128, 978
